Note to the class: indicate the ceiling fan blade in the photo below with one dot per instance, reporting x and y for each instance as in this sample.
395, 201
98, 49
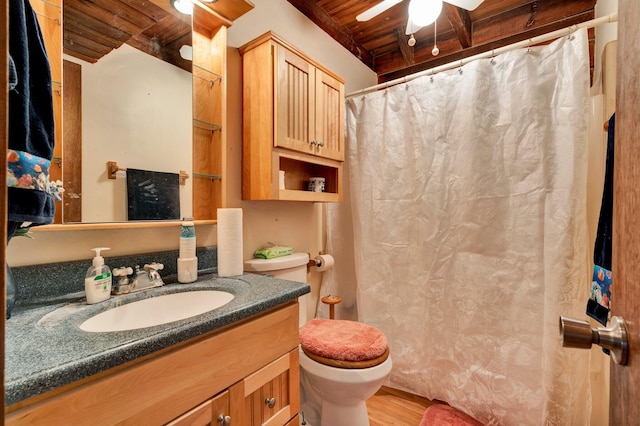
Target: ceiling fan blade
376, 10
465, 4
411, 27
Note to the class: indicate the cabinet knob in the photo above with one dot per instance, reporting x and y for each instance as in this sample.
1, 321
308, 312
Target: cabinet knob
313, 142
224, 420
271, 402
320, 143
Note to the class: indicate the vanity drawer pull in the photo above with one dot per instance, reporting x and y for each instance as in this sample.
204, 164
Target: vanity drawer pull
271, 402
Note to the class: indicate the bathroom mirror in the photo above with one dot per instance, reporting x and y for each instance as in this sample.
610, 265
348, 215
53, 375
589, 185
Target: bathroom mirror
134, 84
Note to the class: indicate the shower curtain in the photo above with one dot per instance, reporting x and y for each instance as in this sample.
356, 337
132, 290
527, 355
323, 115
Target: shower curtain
467, 194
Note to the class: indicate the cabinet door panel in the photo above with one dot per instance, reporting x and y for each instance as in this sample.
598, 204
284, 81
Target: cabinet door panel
329, 130
295, 96
270, 396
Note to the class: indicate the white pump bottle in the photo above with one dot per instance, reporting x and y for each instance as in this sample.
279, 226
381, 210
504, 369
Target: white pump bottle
97, 282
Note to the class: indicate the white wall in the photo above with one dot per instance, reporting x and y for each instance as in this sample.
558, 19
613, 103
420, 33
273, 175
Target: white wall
133, 116
285, 20
604, 33
294, 223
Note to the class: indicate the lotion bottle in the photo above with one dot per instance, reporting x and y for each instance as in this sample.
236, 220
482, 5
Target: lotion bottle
97, 282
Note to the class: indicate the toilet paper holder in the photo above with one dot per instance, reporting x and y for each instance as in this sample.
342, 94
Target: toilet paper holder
321, 262
313, 261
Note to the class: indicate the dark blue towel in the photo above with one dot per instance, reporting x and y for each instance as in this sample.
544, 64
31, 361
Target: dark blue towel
602, 248
598, 304
31, 123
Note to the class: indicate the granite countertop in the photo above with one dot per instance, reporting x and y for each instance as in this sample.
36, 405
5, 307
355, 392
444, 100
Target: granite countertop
46, 349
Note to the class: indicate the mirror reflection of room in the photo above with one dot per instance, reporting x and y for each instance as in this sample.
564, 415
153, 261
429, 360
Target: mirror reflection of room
128, 100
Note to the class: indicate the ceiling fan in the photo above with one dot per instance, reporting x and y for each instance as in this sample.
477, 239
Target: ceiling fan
421, 12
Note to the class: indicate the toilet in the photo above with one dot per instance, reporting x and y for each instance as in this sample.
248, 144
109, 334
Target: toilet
335, 381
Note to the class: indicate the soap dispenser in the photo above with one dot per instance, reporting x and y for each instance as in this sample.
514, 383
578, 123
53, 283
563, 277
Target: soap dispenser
97, 282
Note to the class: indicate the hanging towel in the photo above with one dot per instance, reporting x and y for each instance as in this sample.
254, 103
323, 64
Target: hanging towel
31, 123
600, 297
153, 195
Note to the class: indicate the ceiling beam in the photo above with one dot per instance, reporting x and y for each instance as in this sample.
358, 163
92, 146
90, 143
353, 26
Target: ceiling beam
403, 45
461, 23
322, 19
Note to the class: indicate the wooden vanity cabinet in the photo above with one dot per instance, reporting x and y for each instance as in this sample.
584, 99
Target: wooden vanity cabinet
293, 121
247, 371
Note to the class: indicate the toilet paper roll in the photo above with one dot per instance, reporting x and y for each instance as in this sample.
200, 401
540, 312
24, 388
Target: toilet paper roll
324, 262
187, 269
230, 262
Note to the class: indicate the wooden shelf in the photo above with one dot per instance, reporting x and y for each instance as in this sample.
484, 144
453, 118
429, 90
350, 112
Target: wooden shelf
294, 195
209, 98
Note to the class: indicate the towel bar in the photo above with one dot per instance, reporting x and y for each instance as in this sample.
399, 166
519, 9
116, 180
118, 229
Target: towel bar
113, 168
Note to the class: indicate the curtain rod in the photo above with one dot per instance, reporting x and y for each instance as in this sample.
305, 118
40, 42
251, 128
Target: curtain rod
488, 54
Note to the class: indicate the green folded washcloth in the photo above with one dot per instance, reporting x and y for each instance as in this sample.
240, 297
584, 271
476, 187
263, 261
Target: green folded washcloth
271, 252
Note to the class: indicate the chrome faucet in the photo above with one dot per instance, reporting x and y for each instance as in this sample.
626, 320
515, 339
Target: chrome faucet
143, 279
123, 285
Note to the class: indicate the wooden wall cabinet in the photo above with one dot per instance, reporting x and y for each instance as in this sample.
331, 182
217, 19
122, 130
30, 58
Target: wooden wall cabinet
248, 372
293, 120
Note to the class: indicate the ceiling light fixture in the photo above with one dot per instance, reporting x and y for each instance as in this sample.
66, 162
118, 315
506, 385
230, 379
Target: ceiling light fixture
424, 12
183, 6
186, 52
412, 41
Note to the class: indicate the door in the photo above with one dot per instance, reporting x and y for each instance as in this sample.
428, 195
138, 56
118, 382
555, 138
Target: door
329, 122
625, 380
294, 101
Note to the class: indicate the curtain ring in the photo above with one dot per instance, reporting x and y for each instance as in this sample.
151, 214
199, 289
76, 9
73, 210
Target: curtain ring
529, 46
431, 75
493, 53
460, 69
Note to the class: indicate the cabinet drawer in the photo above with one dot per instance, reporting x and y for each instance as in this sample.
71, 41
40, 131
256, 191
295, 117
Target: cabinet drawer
210, 412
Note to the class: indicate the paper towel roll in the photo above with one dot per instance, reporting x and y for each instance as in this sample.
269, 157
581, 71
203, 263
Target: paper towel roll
187, 269
230, 262
324, 262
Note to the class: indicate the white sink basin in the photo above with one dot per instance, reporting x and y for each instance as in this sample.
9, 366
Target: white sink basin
157, 310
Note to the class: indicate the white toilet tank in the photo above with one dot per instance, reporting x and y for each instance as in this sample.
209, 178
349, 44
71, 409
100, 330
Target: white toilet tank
292, 267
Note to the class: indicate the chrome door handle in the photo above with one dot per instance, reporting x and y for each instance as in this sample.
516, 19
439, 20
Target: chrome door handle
577, 333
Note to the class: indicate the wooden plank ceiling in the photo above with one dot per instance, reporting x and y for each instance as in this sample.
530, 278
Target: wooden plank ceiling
381, 43
93, 28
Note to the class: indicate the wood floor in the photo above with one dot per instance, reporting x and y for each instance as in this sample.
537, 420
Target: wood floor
394, 407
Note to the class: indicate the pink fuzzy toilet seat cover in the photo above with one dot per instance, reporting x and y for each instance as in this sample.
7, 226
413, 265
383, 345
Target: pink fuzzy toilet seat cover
342, 340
